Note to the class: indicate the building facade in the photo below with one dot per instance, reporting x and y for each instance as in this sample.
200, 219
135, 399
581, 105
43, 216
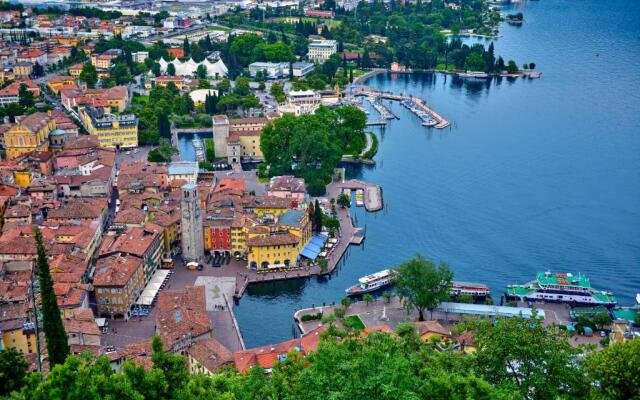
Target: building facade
321, 50
191, 224
31, 133
112, 131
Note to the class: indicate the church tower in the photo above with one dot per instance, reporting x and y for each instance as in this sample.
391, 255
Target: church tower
191, 224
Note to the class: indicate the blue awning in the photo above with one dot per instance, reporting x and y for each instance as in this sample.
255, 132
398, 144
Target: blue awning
310, 254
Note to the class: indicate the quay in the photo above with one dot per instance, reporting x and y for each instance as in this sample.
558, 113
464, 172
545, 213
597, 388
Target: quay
421, 105
372, 193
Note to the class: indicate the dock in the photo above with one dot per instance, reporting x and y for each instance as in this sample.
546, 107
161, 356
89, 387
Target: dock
372, 193
421, 106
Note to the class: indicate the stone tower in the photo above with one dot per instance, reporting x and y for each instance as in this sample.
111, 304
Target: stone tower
191, 224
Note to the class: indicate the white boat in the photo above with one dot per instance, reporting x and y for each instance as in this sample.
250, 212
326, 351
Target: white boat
373, 282
473, 75
638, 298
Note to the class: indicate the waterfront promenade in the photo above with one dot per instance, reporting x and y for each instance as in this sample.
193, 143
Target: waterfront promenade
380, 312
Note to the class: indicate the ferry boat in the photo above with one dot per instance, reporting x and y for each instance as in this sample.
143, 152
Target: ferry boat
469, 289
561, 288
373, 282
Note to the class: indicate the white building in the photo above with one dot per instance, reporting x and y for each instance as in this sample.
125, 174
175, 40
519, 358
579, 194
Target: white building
183, 170
273, 70
140, 56
321, 50
301, 102
191, 224
188, 68
139, 31
302, 69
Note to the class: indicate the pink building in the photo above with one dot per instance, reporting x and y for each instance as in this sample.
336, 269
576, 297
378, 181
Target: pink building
287, 187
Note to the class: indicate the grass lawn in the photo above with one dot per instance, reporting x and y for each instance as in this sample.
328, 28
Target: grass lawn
141, 100
353, 321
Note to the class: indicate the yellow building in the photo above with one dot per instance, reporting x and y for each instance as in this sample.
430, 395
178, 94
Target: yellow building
56, 82
431, 330
271, 206
111, 130
76, 70
6, 74
68, 41
22, 69
22, 178
29, 134
20, 336
278, 246
273, 250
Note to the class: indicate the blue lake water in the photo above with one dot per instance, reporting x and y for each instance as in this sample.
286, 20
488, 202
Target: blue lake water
532, 175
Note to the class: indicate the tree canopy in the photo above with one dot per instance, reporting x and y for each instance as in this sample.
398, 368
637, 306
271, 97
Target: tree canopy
421, 284
311, 145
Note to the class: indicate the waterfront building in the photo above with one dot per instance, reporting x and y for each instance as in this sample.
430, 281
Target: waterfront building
119, 131
237, 139
191, 224
31, 133
301, 102
321, 50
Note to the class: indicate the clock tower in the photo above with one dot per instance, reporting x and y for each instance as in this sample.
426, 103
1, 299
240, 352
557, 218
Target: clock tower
191, 224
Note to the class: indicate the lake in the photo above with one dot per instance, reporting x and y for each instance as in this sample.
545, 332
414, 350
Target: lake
532, 175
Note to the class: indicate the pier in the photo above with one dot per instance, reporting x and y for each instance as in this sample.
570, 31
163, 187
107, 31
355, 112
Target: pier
421, 107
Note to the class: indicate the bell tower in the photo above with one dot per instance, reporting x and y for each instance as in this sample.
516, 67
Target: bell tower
191, 224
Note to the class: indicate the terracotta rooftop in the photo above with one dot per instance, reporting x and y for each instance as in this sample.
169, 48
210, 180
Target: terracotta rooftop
277, 239
116, 270
211, 354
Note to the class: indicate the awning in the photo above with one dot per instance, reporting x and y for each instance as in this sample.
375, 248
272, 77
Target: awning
153, 287
310, 254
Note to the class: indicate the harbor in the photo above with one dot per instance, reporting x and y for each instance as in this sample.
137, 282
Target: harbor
419, 107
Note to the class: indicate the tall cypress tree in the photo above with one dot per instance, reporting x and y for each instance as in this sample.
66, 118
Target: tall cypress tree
57, 344
317, 216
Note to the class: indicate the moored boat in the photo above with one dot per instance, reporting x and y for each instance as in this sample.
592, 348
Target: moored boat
373, 282
561, 288
473, 75
469, 289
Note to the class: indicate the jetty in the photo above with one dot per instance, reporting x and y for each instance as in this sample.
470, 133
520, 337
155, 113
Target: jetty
419, 106
372, 193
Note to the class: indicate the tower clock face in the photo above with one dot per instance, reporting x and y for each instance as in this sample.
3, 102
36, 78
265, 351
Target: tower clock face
186, 213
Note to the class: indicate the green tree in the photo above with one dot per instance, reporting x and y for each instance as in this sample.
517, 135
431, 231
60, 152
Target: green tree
602, 319
164, 126
242, 87
89, 75
171, 69
317, 223
344, 201
13, 370
339, 312
616, 369
173, 367
209, 150
25, 97
201, 72
535, 361
423, 285
512, 67
367, 298
186, 47
387, 296
57, 345
277, 92
120, 74
346, 302
474, 62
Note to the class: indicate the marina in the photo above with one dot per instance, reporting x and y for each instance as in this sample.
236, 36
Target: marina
419, 107
198, 145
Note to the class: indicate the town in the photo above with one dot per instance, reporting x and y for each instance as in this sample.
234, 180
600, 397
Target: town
158, 158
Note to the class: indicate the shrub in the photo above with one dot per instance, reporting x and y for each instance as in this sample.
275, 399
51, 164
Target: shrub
311, 317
